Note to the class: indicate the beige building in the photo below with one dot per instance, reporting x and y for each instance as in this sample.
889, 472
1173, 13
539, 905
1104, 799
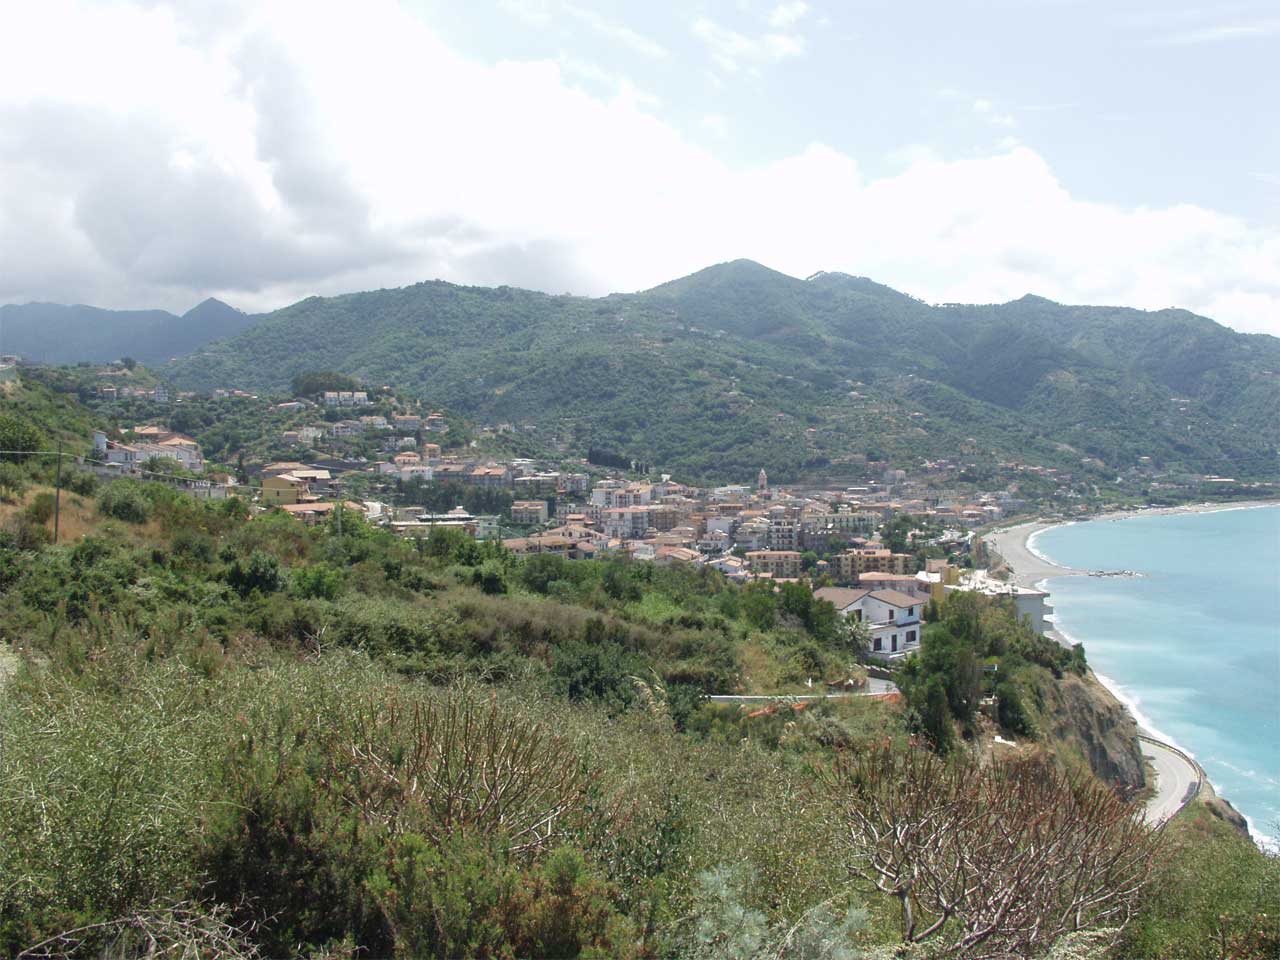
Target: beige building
529, 512
851, 564
779, 564
283, 488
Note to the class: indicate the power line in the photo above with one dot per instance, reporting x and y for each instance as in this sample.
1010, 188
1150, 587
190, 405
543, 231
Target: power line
133, 472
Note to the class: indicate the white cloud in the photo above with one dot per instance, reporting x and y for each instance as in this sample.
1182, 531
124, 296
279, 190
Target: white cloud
987, 110
617, 31
544, 13
716, 124
731, 51
619, 84
260, 173
787, 14
1219, 33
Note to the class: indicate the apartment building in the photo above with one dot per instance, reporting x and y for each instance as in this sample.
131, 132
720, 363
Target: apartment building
779, 564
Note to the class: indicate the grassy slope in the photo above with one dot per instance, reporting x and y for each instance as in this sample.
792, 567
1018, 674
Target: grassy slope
173, 659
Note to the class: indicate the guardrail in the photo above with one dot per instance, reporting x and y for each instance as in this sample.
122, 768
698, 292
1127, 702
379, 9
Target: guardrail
1201, 776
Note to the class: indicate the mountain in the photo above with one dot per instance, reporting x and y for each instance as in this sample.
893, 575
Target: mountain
54, 333
738, 366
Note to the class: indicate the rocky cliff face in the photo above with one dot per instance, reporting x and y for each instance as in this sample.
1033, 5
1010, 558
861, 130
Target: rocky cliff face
1080, 716
1224, 811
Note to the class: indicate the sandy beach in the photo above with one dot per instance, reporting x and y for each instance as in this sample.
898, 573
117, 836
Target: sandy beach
1027, 569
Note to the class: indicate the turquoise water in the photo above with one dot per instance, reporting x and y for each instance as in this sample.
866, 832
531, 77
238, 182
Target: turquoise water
1194, 644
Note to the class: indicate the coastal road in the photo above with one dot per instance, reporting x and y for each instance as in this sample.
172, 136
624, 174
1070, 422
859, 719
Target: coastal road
1178, 779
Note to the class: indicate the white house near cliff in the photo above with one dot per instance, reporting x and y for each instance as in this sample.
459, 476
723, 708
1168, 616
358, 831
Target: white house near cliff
891, 617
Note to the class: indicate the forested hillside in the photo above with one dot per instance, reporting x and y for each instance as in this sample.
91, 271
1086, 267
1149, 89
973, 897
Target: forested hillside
54, 333
738, 366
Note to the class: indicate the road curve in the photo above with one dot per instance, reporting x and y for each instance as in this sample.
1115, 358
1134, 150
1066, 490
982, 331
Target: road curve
1178, 779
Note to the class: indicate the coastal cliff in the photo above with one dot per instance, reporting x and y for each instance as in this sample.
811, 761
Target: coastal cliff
1080, 718
1222, 809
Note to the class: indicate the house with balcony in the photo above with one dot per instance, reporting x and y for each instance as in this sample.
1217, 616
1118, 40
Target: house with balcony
892, 618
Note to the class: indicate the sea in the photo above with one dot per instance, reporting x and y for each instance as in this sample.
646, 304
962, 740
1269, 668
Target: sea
1191, 644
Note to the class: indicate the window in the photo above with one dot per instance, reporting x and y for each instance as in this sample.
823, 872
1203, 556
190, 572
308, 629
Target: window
879, 644
911, 637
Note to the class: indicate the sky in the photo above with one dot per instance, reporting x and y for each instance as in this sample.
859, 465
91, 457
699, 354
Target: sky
153, 154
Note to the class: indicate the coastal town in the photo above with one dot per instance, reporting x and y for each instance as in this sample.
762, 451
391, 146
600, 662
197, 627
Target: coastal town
732, 481
879, 550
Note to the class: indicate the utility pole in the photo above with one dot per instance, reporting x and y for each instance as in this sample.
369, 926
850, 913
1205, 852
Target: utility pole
57, 494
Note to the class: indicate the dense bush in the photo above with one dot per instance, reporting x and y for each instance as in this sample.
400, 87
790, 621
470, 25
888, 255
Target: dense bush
125, 500
40, 509
1214, 895
13, 481
226, 728
259, 572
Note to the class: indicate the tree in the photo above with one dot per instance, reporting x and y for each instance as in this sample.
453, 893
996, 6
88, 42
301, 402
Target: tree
935, 717
1001, 861
759, 605
260, 572
18, 434
854, 635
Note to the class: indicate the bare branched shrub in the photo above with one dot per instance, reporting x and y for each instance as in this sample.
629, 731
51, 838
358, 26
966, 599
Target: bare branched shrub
995, 862
179, 931
463, 762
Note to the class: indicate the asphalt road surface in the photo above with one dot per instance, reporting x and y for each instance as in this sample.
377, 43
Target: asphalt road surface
1176, 779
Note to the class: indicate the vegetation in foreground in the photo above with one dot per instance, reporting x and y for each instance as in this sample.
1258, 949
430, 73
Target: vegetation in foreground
241, 736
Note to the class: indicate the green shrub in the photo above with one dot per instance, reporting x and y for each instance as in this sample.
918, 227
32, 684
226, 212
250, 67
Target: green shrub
13, 481
319, 581
260, 573
1011, 713
125, 500
1214, 895
103, 778
490, 577
27, 534
726, 927
18, 433
194, 544
40, 509
81, 482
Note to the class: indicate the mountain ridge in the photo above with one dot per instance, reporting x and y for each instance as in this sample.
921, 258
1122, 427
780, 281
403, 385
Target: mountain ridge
74, 333
739, 366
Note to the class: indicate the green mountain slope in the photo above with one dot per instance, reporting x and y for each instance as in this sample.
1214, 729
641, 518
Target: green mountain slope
55, 333
739, 366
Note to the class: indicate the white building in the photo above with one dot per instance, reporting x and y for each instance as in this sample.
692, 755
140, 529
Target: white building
1027, 602
892, 618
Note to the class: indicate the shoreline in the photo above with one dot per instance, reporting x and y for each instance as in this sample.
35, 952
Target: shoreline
1034, 569
1029, 567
